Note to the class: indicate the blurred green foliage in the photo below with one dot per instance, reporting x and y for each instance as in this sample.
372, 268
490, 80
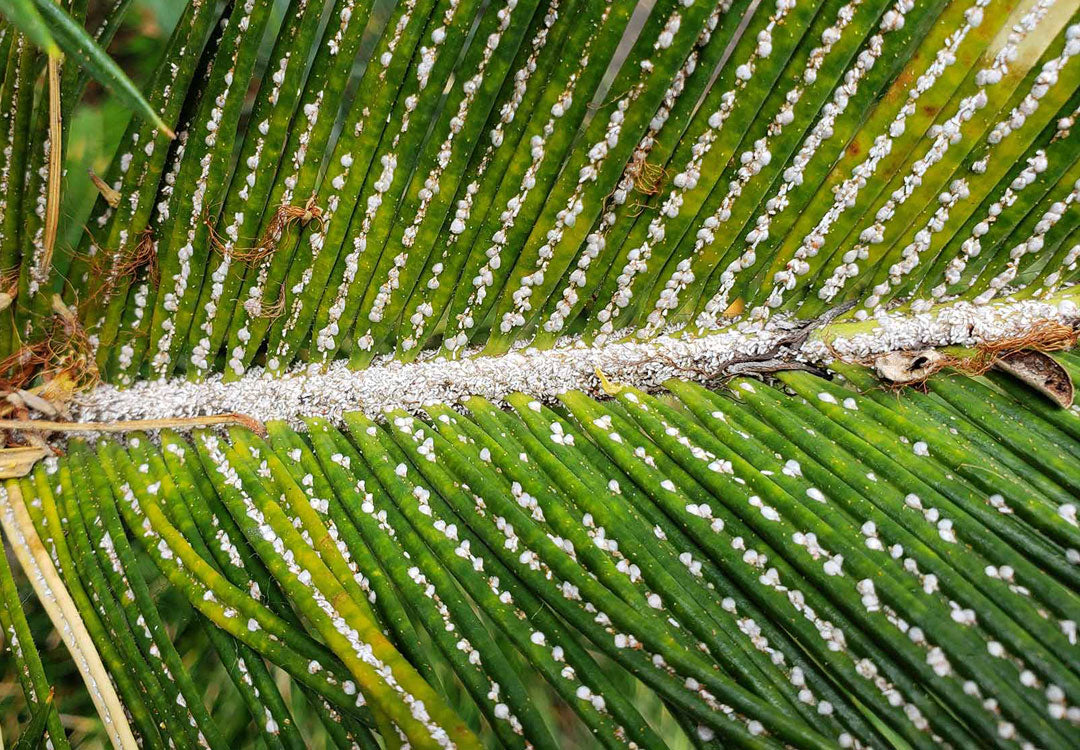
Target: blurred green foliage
99, 120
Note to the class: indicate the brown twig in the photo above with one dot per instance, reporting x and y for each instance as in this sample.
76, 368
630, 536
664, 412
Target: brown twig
182, 423
774, 359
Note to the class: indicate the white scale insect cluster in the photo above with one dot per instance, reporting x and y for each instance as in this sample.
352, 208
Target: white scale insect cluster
597, 158
432, 184
944, 136
341, 621
756, 560
848, 191
259, 624
704, 511
465, 321
330, 391
102, 696
540, 561
958, 189
478, 562
597, 240
326, 340
9, 149
463, 209
892, 21
687, 179
173, 298
245, 216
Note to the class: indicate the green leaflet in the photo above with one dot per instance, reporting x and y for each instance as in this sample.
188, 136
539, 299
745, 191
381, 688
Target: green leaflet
24, 15
33, 736
244, 666
53, 29
117, 560
46, 516
248, 218
44, 717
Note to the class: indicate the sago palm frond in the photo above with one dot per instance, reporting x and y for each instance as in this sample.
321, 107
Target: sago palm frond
545, 374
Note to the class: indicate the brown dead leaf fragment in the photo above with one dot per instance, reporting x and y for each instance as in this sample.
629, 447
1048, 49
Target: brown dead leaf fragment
908, 367
1024, 356
61, 360
112, 197
17, 462
1045, 336
1041, 372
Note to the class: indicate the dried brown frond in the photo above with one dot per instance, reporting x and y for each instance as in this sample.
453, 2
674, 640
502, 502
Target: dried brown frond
648, 178
62, 352
273, 311
284, 217
914, 368
1045, 336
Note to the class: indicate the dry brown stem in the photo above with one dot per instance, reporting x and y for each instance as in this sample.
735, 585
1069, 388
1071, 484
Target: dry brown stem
180, 423
56, 166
